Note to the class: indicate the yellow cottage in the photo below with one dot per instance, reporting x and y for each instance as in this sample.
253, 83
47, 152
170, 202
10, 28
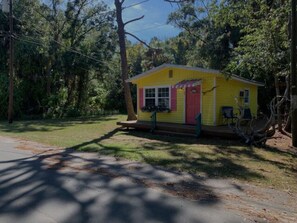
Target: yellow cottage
179, 93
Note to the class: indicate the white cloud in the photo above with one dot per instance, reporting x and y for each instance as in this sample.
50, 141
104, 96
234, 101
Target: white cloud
137, 7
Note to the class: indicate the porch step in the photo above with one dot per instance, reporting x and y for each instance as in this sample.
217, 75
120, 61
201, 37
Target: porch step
171, 133
180, 129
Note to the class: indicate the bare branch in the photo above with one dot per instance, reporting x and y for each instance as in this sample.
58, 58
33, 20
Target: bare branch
144, 43
133, 20
210, 90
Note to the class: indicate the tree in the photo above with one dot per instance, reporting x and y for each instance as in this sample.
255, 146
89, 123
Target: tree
263, 50
124, 63
293, 73
211, 43
62, 53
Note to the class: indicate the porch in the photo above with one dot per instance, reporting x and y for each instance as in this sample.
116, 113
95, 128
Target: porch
180, 129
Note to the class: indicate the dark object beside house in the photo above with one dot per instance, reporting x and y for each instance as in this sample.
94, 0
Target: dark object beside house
228, 114
247, 115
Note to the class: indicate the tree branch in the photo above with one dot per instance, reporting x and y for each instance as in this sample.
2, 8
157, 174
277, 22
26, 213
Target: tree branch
127, 33
210, 90
133, 20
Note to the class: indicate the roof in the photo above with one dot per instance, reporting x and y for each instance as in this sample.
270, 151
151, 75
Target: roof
211, 71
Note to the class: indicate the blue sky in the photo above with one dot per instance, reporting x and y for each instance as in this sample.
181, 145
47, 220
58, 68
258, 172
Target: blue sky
154, 22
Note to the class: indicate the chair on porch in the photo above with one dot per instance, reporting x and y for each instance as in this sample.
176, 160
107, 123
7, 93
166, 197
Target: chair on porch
246, 114
228, 114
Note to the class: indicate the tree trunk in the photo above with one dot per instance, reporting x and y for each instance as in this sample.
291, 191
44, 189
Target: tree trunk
288, 124
70, 84
81, 91
48, 76
124, 63
279, 119
294, 74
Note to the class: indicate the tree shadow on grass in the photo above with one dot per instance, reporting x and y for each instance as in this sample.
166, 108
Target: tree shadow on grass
177, 158
220, 167
226, 148
50, 125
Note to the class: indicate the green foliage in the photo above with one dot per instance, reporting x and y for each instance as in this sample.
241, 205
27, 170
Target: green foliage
56, 103
18, 100
264, 47
3, 94
263, 51
62, 52
67, 65
207, 44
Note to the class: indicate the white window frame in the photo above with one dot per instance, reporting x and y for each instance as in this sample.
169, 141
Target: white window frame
244, 96
157, 95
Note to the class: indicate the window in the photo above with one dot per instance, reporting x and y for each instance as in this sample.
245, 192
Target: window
246, 96
158, 96
150, 97
163, 97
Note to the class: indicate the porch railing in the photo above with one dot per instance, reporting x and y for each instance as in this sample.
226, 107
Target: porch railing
154, 121
198, 124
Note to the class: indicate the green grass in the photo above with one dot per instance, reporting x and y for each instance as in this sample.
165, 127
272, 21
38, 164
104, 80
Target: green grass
205, 156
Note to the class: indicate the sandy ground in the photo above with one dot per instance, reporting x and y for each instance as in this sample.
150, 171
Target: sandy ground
281, 142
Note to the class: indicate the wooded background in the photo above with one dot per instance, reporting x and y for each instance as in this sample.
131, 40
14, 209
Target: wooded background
67, 56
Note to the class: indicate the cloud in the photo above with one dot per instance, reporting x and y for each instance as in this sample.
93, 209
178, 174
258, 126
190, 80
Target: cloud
137, 7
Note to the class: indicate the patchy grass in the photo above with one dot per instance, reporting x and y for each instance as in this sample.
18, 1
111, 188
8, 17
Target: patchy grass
205, 156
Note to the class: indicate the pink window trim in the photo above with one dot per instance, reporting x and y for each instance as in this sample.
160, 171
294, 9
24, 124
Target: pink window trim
173, 99
140, 95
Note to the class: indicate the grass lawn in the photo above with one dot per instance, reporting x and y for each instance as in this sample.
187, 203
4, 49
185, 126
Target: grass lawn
205, 156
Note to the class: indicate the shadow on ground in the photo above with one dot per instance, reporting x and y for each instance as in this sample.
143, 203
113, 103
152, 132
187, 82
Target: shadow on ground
191, 161
225, 158
224, 147
40, 183
48, 125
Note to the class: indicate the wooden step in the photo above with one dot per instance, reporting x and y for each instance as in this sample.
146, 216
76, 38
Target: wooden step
170, 133
182, 129
190, 130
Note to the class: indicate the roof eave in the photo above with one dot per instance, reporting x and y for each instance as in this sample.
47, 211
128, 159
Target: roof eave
136, 77
259, 84
234, 77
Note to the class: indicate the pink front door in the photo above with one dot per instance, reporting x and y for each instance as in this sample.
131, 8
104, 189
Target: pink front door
192, 104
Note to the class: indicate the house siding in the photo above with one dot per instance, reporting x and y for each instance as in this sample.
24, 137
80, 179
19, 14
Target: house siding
228, 90
216, 92
161, 78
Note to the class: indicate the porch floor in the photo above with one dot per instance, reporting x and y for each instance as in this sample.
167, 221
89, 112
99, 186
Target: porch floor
217, 131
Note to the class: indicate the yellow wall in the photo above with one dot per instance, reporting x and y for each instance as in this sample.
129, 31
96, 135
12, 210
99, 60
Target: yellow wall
225, 93
228, 91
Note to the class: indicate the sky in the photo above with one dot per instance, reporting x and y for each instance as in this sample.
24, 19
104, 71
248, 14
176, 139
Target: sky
154, 22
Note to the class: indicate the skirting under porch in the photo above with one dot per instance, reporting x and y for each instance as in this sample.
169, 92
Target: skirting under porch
180, 129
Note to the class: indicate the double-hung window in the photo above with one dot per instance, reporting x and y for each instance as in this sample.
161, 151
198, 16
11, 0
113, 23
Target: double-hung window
150, 95
157, 96
246, 96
